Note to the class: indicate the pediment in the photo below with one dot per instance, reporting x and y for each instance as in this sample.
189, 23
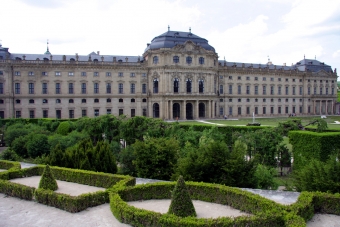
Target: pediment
189, 46
322, 73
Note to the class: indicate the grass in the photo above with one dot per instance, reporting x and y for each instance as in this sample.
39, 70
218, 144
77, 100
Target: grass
286, 181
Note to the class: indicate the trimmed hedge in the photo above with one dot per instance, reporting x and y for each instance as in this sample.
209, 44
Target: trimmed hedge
9, 165
265, 212
312, 145
16, 190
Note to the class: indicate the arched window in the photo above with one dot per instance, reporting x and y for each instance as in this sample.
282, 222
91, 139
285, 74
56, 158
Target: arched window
201, 60
155, 85
58, 101
155, 60
120, 61
189, 60
70, 101
95, 60
176, 59
45, 101
189, 85
46, 59
201, 86
96, 100
176, 85
72, 60
31, 101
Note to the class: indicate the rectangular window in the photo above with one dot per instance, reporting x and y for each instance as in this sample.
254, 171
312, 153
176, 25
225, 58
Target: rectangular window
256, 78
58, 114
320, 90
294, 109
70, 73
248, 90
256, 110
57, 88
239, 78
300, 90
279, 79
31, 73
132, 88
83, 74
31, 88
247, 78
230, 110
264, 89
271, 79
108, 111
133, 112
143, 74
287, 91
279, 109
120, 88
83, 88
44, 88
44, 73
144, 88
17, 114
332, 90
230, 89
293, 90
108, 74
314, 90
287, 110
108, 88
230, 77
256, 90
96, 112
132, 74
83, 113
1, 88
120, 74
272, 109
264, 110
264, 78
45, 113
239, 110
279, 91
272, 90
144, 112
96, 88
17, 73
308, 109
221, 111
120, 112
31, 113
58, 73
70, 113
95, 73
70, 88
300, 109
221, 89
239, 89
308, 90
326, 90
248, 110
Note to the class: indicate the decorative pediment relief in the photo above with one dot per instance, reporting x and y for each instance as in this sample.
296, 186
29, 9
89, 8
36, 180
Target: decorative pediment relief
322, 73
155, 75
190, 48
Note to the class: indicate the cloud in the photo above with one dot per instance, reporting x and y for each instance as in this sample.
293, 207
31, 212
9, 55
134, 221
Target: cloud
336, 54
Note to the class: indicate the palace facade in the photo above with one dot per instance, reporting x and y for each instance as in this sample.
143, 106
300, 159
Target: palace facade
178, 76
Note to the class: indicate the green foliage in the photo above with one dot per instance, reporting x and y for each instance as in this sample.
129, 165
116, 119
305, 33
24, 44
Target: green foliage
264, 177
181, 204
126, 158
155, 157
9, 165
38, 145
16, 190
290, 125
9, 155
47, 180
64, 128
14, 131
319, 176
19, 146
311, 145
66, 141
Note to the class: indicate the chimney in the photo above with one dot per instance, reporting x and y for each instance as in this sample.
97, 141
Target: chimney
284, 64
98, 52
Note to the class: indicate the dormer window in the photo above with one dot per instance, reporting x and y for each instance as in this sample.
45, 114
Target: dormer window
176, 59
189, 60
72, 60
201, 60
155, 59
95, 60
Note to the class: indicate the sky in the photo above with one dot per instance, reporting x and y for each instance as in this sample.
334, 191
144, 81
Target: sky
249, 31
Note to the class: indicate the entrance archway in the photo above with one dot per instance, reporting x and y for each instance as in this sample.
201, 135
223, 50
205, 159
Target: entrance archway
176, 110
155, 109
201, 110
189, 111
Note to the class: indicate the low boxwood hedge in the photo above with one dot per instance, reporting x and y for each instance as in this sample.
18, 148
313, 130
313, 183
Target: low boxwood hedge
264, 212
16, 190
9, 165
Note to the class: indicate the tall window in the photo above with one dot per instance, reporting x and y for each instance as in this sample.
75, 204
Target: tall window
31, 88
300, 90
221, 89
96, 88
264, 90
287, 91
58, 114
44, 88
264, 110
176, 59
256, 90
45, 113
144, 88
17, 88
248, 90
279, 91
1, 88
96, 112
132, 88
31, 114
70, 113
230, 89
57, 88
308, 91
314, 90
108, 88
293, 90
189, 85
83, 88
272, 90
189, 60
17, 114
133, 112
320, 90
256, 110
155, 85
155, 60
239, 89
120, 88
201, 60
176, 85
201, 86
83, 113
70, 88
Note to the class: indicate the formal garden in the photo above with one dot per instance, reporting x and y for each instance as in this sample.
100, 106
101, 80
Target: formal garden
108, 152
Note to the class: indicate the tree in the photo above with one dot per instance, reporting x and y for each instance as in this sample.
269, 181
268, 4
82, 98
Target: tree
181, 204
155, 157
126, 158
56, 157
47, 180
38, 145
264, 177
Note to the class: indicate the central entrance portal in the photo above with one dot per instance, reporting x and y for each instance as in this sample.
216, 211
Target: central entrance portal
176, 111
189, 113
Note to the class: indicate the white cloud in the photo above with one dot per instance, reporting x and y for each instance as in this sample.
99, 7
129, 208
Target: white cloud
336, 54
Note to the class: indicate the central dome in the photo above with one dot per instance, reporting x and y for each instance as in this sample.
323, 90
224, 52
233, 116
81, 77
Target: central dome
170, 39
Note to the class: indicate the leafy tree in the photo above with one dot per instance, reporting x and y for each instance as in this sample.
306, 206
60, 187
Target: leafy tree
64, 128
9, 155
19, 146
155, 157
47, 180
14, 131
105, 161
264, 177
38, 145
181, 204
56, 157
66, 141
126, 158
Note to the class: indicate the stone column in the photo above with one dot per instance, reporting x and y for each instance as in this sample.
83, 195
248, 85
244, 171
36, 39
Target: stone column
314, 107
326, 106
213, 109
197, 109
184, 110
171, 110
320, 106
332, 107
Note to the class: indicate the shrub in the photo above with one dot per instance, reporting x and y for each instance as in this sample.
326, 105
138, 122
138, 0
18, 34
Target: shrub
9, 155
181, 204
47, 180
38, 145
264, 177
19, 146
15, 131
64, 128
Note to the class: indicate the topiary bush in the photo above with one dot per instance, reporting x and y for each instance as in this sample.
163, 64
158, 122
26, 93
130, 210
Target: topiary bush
47, 180
181, 204
64, 128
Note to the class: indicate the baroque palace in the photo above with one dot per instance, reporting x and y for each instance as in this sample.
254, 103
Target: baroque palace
178, 76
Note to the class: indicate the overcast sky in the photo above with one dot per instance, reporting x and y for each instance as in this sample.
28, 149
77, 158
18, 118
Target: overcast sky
240, 30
